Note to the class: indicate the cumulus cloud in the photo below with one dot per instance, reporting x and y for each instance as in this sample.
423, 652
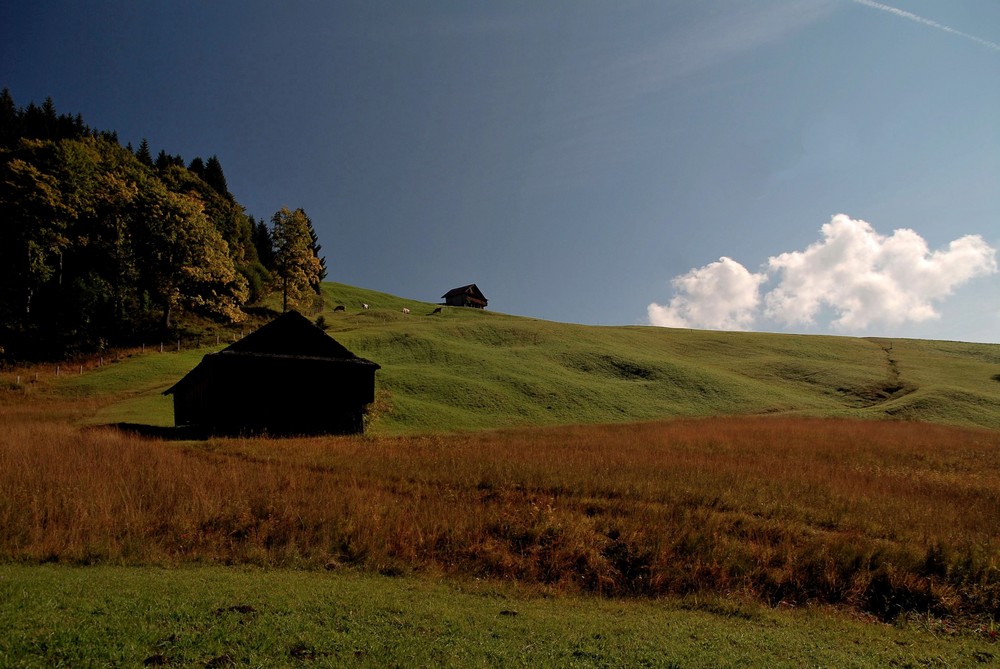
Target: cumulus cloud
867, 278
722, 295
860, 277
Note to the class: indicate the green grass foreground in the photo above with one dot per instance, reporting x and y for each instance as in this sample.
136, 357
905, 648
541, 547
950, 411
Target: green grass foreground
55, 616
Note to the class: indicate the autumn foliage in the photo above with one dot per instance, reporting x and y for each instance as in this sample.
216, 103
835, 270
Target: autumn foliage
100, 245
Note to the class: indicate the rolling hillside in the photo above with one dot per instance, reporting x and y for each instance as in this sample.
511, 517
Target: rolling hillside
464, 369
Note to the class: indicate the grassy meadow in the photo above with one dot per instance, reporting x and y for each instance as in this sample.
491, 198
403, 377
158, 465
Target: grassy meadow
790, 486
469, 369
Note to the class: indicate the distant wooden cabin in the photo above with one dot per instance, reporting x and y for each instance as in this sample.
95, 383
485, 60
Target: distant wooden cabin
466, 296
288, 377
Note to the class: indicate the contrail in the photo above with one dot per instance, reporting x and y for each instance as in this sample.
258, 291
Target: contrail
927, 22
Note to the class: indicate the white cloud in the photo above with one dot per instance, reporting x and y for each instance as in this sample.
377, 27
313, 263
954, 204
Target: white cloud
722, 295
866, 278
860, 277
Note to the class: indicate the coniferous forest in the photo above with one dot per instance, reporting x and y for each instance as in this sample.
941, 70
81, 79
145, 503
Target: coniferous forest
102, 244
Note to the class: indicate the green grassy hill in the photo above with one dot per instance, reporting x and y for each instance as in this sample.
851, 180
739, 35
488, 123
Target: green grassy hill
466, 369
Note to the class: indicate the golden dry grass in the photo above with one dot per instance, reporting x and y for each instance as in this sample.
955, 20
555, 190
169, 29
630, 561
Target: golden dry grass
886, 517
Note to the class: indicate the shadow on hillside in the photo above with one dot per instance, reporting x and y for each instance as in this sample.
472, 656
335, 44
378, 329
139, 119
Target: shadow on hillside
182, 433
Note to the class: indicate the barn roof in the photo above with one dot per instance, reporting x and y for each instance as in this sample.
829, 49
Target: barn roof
290, 336
472, 289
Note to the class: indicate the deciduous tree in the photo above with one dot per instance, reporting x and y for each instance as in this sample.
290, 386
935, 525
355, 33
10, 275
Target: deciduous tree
295, 264
33, 221
186, 259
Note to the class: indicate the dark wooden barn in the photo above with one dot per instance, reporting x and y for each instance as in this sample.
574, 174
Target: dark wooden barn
466, 296
288, 377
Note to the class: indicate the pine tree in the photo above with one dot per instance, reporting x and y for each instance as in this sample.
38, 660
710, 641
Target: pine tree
49, 119
214, 176
10, 122
197, 166
315, 247
32, 120
263, 243
143, 154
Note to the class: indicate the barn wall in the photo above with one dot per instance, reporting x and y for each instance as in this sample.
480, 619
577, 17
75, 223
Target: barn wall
278, 395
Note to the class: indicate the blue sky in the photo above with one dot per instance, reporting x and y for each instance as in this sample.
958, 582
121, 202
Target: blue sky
713, 164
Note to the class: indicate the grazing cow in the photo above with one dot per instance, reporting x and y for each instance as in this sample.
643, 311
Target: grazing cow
364, 306
340, 307
405, 310
437, 310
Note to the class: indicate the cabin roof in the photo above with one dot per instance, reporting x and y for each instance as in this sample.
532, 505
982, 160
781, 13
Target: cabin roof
291, 334
472, 289
291, 337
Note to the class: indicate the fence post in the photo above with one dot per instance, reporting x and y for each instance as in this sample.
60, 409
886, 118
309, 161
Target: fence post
178, 343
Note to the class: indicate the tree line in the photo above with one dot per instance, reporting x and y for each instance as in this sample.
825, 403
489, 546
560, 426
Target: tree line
101, 244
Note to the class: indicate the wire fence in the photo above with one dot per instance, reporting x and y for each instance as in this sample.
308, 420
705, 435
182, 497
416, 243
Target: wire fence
25, 375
